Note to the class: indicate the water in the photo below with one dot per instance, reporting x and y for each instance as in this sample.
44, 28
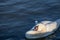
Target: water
18, 16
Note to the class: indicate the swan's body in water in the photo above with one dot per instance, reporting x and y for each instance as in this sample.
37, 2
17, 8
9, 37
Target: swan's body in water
43, 29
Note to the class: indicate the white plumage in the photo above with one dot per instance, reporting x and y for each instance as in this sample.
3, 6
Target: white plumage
44, 29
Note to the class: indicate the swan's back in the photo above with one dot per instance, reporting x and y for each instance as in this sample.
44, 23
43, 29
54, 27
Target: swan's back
52, 27
48, 25
46, 22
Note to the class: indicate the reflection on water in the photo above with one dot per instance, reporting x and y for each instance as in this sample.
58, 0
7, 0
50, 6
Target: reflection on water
18, 16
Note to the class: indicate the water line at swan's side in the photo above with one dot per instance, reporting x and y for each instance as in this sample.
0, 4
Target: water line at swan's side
58, 22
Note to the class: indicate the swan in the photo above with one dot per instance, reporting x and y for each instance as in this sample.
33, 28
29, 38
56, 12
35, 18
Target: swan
42, 29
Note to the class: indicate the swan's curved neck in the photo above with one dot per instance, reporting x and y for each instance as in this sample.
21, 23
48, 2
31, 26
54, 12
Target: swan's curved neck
58, 21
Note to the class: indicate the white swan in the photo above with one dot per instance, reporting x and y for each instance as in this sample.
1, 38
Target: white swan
43, 29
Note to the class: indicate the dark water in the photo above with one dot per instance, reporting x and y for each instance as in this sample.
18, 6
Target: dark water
18, 16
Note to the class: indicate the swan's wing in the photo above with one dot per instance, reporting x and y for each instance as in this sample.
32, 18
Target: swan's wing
51, 27
42, 28
46, 22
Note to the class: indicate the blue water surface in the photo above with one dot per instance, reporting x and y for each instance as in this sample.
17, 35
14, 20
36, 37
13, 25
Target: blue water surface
18, 16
